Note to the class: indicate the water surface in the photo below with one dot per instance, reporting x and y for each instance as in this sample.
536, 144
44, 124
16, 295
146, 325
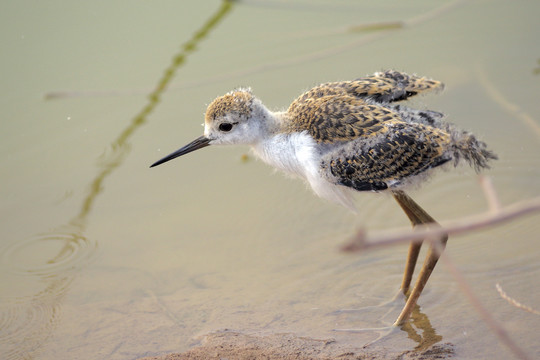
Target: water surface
101, 255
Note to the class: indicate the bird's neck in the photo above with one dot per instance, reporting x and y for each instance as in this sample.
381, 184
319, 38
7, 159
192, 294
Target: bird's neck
275, 122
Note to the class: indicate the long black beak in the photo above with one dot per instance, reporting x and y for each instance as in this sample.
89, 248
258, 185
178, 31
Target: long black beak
196, 144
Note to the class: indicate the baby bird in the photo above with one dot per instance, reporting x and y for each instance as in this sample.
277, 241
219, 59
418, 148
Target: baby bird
350, 136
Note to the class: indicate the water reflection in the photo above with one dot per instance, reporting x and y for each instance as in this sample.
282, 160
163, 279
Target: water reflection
418, 328
420, 321
370, 32
27, 322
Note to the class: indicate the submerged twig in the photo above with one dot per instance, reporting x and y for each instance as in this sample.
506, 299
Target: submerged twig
514, 302
466, 289
285, 62
506, 104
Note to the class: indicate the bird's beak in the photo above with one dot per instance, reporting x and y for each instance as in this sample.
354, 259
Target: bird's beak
196, 144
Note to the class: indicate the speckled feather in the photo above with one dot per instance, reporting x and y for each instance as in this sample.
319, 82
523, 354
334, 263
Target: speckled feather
237, 103
349, 133
347, 110
388, 158
376, 144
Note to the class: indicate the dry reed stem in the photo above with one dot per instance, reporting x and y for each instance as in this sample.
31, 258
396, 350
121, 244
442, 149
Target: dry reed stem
456, 227
514, 302
484, 313
496, 215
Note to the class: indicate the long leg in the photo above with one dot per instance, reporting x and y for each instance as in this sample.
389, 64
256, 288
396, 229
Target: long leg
417, 216
412, 257
414, 248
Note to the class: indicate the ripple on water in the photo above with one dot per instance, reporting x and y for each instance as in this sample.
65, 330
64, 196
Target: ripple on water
48, 254
28, 320
26, 326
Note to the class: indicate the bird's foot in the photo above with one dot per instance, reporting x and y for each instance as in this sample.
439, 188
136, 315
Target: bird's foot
418, 328
382, 332
384, 312
396, 302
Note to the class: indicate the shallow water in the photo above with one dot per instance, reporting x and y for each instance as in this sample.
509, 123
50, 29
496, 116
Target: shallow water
100, 255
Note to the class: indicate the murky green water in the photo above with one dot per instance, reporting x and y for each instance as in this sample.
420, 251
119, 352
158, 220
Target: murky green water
102, 257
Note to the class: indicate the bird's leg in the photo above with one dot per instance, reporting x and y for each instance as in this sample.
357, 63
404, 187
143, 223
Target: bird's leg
412, 257
417, 216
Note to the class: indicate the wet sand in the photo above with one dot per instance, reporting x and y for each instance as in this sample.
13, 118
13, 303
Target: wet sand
239, 346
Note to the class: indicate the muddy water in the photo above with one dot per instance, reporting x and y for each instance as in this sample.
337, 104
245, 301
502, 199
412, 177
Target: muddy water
100, 255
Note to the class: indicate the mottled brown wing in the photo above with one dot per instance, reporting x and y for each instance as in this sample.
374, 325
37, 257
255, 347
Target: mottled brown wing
387, 86
390, 86
405, 150
343, 111
339, 117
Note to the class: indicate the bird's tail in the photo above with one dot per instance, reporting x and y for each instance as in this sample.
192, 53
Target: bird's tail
466, 146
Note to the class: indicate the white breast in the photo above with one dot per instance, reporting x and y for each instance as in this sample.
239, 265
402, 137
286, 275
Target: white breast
296, 154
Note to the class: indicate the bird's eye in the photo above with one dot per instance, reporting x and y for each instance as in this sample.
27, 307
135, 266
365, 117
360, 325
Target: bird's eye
225, 126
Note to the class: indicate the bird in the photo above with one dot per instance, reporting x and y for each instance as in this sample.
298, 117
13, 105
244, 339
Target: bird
351, 136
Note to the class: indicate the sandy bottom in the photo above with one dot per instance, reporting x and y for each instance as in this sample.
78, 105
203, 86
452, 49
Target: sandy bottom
239, 346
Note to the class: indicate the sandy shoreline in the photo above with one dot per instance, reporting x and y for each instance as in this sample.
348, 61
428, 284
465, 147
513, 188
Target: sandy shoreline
229, 344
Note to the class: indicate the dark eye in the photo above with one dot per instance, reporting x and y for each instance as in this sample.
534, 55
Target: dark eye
225, 126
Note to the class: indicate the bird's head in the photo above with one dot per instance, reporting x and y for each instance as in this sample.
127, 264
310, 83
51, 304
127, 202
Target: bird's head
237, 117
